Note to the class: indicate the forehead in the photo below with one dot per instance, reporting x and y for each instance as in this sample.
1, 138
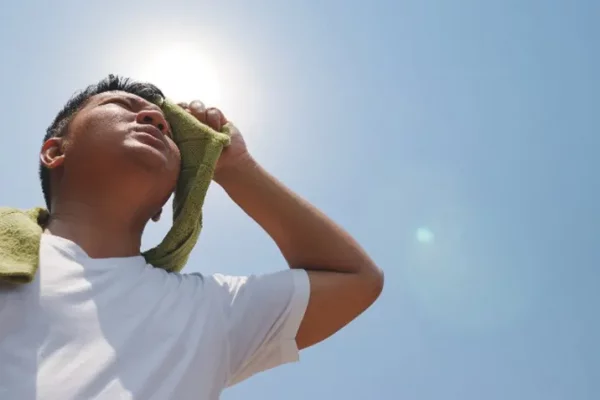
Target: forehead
137, 100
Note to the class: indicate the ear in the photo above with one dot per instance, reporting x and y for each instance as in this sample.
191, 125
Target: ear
156, 216
52, 155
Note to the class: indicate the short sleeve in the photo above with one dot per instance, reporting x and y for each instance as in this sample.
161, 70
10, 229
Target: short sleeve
262, 314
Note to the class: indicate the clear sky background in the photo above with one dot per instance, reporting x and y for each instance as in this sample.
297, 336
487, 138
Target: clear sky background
457, 140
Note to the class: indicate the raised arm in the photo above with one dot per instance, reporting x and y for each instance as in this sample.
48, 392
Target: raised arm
344, 281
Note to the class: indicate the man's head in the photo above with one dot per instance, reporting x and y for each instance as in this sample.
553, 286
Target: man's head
110, 145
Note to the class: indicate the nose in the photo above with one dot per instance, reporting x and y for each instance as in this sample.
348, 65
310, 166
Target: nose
154, 118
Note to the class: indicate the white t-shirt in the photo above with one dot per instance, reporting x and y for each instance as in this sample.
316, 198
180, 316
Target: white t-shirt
119, 328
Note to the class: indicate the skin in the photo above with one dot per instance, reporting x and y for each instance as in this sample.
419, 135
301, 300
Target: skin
108, 178
103, 154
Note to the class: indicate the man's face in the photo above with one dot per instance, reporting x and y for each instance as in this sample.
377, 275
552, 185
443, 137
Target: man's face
122, 141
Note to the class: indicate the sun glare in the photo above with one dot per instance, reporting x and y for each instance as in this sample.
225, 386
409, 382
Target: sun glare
425, 235
183, 73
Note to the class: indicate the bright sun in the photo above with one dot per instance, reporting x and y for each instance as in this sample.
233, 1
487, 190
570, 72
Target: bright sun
183, 74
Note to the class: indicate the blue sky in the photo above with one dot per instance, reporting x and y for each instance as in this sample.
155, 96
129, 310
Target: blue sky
456, 140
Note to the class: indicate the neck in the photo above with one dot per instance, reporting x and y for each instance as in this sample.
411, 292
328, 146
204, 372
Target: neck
99, 231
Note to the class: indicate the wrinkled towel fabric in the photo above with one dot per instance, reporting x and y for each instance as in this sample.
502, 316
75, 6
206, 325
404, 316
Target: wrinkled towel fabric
200, 147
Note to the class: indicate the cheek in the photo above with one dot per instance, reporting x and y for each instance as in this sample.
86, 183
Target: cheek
175, 158
172, 163
98, 129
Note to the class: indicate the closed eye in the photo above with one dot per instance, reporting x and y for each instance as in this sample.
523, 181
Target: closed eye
122, 102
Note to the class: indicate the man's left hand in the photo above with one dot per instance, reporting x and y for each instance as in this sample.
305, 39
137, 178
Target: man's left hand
236, 152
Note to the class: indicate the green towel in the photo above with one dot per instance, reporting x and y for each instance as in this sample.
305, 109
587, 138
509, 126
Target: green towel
200, 147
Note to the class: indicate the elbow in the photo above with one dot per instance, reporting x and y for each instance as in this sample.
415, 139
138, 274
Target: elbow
373, 283
379, 280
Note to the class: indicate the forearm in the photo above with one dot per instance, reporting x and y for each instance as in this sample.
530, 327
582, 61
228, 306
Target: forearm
306, 237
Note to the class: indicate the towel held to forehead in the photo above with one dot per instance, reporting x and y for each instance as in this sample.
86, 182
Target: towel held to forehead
200, 147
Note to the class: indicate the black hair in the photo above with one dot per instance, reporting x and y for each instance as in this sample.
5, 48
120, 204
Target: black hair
59, 126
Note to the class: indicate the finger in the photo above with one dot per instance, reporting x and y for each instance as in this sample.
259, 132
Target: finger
198, 110
214, 118
233, 130
197, 105
185, 106
223, 119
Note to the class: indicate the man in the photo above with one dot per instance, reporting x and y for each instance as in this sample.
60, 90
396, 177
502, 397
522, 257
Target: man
99, 323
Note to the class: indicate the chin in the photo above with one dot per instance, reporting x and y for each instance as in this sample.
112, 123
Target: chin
151, 158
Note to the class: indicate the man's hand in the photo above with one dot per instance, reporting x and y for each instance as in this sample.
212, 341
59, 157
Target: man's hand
236, 152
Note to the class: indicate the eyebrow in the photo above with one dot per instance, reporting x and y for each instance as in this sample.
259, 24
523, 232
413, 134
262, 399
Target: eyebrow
138, 102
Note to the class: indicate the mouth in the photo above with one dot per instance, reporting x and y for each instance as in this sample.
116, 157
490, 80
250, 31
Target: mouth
151, 135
